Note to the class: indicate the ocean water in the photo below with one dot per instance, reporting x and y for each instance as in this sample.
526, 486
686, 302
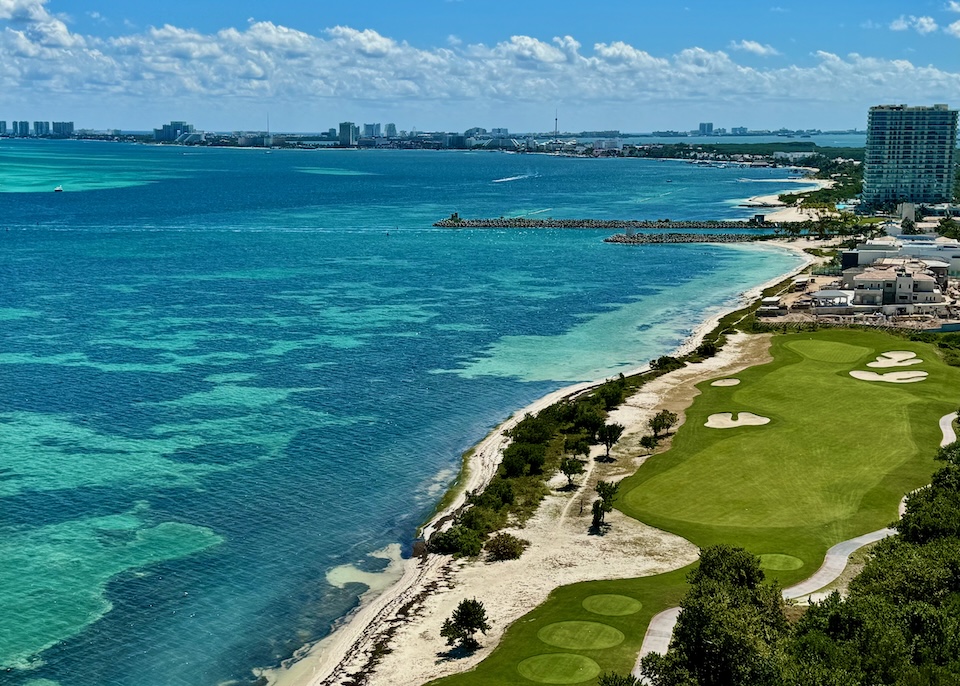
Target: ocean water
225, 373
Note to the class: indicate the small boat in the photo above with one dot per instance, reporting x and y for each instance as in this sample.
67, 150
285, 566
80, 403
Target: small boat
58, 189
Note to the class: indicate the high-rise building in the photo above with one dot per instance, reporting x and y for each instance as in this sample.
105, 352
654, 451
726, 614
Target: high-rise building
348, 134
500, 133
63, 128
706, 128
21, 129
41, 128
390, 130
739, 130
172, 131
910, 155
3, 128
371, 130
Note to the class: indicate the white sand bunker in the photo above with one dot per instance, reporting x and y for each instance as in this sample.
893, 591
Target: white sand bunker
891, 377
895, 358
722, 383
725, 420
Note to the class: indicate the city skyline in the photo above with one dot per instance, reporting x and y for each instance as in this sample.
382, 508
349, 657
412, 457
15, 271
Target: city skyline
448, 65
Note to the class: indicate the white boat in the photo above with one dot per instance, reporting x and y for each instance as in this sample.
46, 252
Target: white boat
58, 189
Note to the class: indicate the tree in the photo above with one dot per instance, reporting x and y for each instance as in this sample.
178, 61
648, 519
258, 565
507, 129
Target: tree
949, 228
608, 493
571, 467
730, 626
663, 422
469, 618
909, 227
609, 434
613, 679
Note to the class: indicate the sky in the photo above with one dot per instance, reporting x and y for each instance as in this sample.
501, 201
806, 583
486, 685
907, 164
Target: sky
632, 65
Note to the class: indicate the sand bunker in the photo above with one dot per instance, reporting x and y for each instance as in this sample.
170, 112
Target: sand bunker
895, 358
723, 383
891, 377
725, 420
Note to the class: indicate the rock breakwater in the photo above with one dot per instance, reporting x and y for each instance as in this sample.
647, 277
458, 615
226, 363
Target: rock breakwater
456, 222
647, 238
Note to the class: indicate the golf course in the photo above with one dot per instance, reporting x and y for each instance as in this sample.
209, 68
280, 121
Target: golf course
785, 459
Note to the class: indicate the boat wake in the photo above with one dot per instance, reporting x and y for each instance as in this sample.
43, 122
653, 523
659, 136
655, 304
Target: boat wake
516, 178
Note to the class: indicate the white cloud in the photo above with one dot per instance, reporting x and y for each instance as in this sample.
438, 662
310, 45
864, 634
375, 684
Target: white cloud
953, 29
953, 6
754, 47
922, 25
344, 67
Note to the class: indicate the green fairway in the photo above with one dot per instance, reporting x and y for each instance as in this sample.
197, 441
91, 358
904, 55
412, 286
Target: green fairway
833, 463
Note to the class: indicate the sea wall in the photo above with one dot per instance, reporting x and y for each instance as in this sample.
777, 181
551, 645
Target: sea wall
526, 223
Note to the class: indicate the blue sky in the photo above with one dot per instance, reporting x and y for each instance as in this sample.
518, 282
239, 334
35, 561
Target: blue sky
450, 64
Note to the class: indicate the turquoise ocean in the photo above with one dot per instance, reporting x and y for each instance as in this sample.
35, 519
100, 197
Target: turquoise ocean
225, 372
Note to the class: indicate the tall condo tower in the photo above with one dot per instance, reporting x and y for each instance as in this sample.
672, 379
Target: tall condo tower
910, 155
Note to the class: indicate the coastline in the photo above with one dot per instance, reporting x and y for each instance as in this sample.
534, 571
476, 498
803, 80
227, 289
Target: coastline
396, 616
781, 212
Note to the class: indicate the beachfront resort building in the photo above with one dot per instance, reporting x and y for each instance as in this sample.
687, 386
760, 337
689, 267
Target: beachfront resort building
910, 155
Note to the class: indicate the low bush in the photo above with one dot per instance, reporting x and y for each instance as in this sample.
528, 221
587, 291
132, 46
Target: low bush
505, 546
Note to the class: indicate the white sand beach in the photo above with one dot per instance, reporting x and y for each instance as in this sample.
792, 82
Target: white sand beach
776, 211
406, 617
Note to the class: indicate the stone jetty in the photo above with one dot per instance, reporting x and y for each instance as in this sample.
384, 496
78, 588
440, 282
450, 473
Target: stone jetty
457, 222
648, 238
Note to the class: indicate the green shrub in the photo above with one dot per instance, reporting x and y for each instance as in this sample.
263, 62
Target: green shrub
505, 547
481, 520
457, 541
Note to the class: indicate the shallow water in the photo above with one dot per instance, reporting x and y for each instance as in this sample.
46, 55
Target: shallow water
226, 373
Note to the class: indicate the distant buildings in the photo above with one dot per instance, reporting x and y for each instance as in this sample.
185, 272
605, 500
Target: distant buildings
348, 134
739, 130
371, 131
3, 128
706, 128
391, 131
63, 128
169, 133
910, 155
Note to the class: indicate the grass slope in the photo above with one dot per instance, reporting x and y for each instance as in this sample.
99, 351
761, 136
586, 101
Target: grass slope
833, 463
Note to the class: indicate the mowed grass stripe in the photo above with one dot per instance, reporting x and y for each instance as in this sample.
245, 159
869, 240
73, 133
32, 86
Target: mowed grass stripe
833, 463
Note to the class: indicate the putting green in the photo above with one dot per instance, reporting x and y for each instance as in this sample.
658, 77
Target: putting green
612, 605
580, 635
777, 562
559, 668
828, 351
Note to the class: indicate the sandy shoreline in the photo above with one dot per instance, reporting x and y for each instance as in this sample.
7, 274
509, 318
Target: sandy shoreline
407, 615
776, 211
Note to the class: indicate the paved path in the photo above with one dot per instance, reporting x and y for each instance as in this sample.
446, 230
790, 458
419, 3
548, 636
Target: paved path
946, 426
660, 630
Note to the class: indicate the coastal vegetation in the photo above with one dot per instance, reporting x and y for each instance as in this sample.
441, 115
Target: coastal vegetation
818, 473
540, 446
847, 177
469, 618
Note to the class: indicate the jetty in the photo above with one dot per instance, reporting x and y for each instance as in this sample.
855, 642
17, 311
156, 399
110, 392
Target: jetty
455, 221
653, 238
